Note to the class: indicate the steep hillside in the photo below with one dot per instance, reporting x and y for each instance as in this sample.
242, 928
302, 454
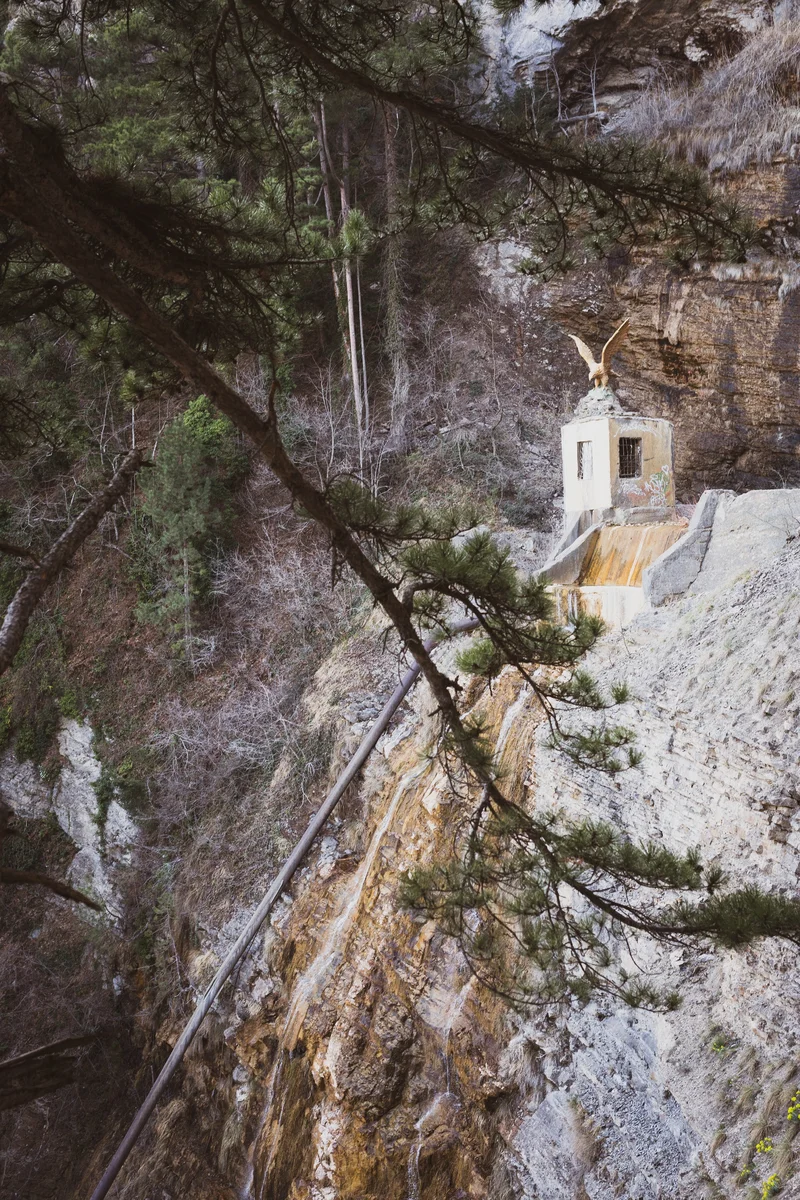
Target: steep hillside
371, 1064
354, 1057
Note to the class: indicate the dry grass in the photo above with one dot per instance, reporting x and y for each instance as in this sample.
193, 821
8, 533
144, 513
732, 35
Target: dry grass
744, 112
588, 1136
784, 1155
774, 1103
745, 1101
748, 1063
776, 1100
717, 1140
221, 814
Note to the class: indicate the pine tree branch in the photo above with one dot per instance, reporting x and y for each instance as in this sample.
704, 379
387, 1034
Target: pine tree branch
36, 583
621, 180
39, 154
145, 232
47, 223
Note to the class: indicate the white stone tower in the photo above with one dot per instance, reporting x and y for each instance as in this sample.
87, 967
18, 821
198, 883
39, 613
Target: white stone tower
620, 519
618, 467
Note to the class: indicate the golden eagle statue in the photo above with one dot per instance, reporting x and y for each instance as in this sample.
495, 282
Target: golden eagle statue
599, 371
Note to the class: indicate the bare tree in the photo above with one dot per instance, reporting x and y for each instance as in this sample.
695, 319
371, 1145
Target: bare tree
40, 1072
39, 579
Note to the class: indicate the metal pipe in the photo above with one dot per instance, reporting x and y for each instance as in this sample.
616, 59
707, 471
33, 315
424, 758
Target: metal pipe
242, 943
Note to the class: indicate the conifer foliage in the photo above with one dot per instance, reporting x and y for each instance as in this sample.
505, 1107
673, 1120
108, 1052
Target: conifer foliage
542, 908
187, 502
162, 193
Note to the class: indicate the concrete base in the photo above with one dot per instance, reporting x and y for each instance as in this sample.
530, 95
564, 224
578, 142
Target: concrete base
578, 523
679, 566
727, 536
565, 565
601, 571
616, 605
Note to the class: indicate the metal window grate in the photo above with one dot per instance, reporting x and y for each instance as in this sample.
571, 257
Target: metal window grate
584, 460
630, 458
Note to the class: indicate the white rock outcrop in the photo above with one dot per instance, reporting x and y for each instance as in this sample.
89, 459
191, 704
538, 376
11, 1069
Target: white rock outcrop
103, 842
716, 708
525, 42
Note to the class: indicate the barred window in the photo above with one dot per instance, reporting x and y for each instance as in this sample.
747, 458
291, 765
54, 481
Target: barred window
584, 460
630, 458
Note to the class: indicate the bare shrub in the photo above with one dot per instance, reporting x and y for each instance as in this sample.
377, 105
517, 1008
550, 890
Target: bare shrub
278, 597
745, 111
277, 618
205, 748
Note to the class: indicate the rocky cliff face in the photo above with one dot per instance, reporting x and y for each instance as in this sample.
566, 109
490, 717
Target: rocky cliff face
103, 835
631, 43
371, 1065
395, 1076
717, 351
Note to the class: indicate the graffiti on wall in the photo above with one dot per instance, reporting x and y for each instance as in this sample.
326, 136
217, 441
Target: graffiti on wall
653, 492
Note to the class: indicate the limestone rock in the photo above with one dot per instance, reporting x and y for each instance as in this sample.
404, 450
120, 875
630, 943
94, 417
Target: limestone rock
425, 1085
101, 844
677, 569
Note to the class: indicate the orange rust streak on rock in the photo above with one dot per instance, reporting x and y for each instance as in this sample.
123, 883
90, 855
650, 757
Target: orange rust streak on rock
619, 554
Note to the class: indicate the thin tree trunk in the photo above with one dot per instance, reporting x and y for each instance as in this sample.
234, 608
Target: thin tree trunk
9, 876
346, 318
36, 583
187, 611
393, 271
363, 352
17, 551
318, 117
358, 399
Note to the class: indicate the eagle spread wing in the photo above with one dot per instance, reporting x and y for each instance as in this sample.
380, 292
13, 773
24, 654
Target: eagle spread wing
584, 351
611, 346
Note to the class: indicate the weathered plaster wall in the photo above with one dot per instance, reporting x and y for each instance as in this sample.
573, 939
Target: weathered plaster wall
602, 487
593, 491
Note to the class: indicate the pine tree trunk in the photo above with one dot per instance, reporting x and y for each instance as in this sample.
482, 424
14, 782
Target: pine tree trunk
363, 353
358, 398
393, 271
318, 117
187, 611
346, 318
